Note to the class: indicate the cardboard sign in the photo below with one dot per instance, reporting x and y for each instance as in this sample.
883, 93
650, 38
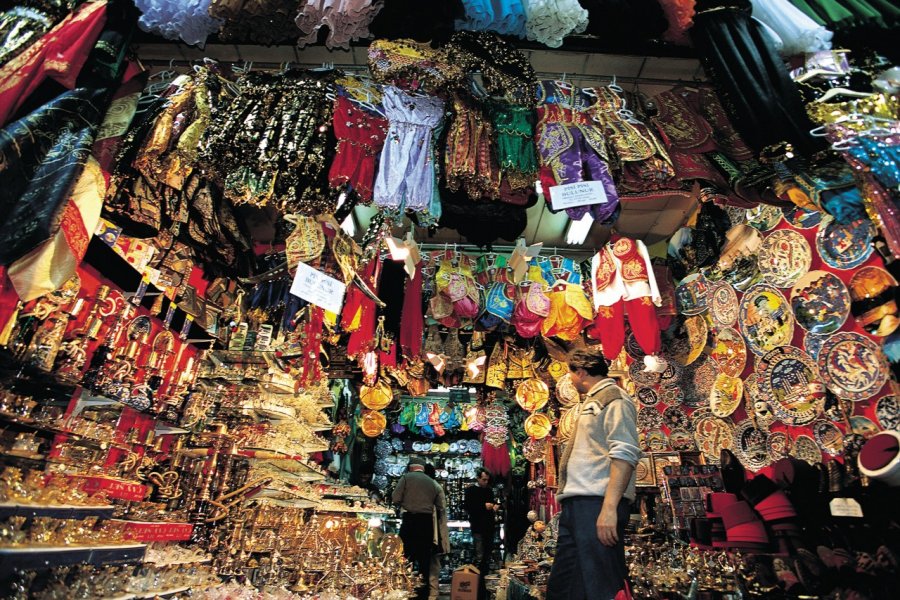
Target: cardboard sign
464, 585
318, 288
577, 194
845, 507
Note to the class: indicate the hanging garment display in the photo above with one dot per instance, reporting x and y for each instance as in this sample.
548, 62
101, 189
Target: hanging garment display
797, 33
177, 20
764, 103
623, 281
347, 21
360, 137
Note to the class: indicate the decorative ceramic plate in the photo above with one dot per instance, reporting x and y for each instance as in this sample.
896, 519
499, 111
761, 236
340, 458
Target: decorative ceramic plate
691, 295
656, 440
874, 289
723, 304
852, 366
829, 437
730, 352
712, 435
784, 257
821, 302
887, 411
632, 347
698, 382
647, 396
649, 418
640, 376
754, 405
801, 218
532, 394
805, 448
566, 392
777, 445
672, 373
688, 346
766, 319
813, 343
789, 383
764, 217
837, 410
726, 395
672, 395
845, 246
853, 443
682, 440
675, 418
567, 423
751, 445
863, 426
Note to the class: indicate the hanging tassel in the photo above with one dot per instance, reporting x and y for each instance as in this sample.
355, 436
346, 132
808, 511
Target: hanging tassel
7, 330
157, 304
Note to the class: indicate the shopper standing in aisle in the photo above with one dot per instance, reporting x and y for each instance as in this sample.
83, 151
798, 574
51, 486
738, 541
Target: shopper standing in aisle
421, 498
596, 486
482, 508
442, 540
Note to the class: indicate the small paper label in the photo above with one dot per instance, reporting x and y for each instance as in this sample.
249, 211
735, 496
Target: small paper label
577, 194
845, 507
318, 288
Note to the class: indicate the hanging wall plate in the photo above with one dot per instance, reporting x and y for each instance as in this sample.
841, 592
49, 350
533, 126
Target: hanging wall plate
852, 366
674, 417
813, 343
723, 304
784, 257
801, 218
829, 437
805, 448
730, 352
686, 348
887, 411
764, 217
712, 435
726, 395
777, 445
845, 246
646, 396
766, 319
821, 302
692, 294
751, 445
789, 382
863, 426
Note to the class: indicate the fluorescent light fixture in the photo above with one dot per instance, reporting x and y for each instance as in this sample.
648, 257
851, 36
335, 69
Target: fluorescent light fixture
577, 231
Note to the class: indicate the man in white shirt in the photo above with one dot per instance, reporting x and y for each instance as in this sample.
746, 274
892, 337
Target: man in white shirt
596, 486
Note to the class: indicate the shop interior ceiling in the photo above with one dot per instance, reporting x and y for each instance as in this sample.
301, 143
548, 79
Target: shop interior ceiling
649, 220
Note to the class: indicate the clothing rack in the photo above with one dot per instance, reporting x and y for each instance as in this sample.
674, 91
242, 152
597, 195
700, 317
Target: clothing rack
353, 68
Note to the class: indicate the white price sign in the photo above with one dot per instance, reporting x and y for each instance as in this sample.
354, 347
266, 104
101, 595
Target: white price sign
577, 194
318, 288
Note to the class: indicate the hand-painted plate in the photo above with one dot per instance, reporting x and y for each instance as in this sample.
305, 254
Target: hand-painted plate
777, 445
671, 395
813, 343
754, 405
806, 448
784, 257
647, 396
649, 418
845, 246
698, 382
672, 373
691, 295
688, 346
723, 304
821, 302
801, 218
730, 352
789, 383
764, 217
726, 395
681, 440
829, 437
675, 418
751, 445
852, 366
641, 377
863, 426
656, 440
766, 319
566, 392
713, 434
873, 291
887, 411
